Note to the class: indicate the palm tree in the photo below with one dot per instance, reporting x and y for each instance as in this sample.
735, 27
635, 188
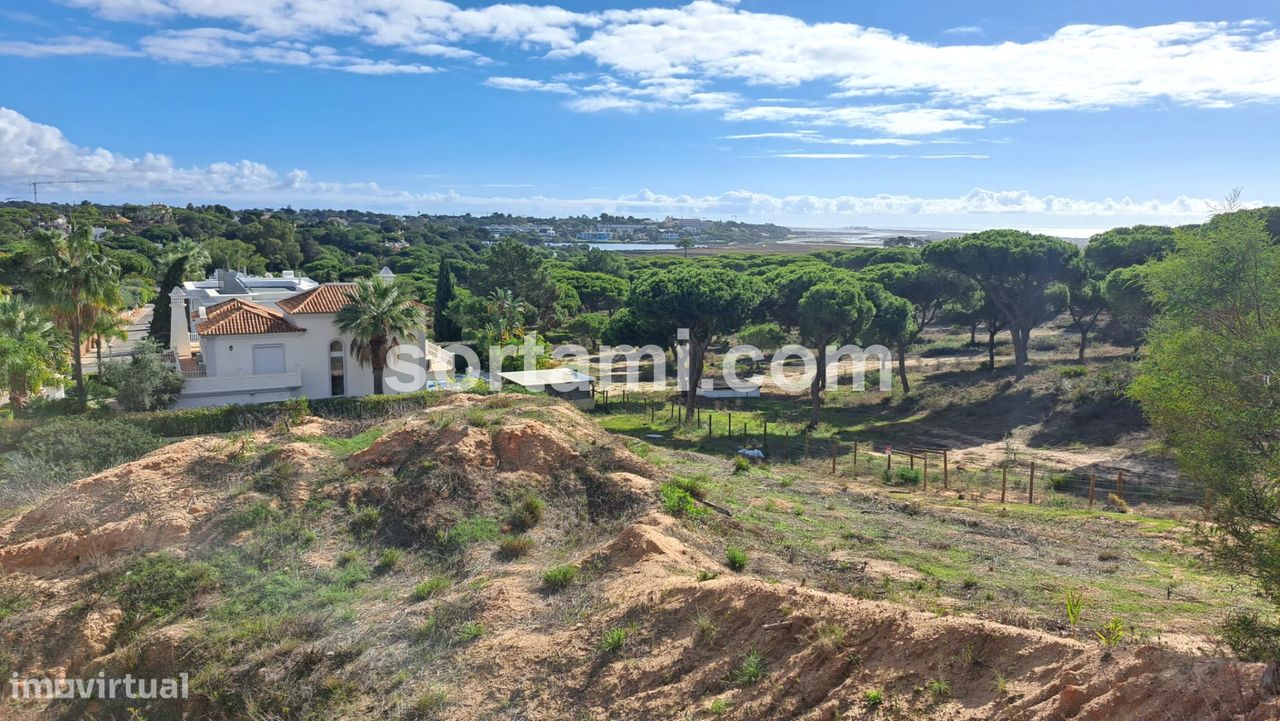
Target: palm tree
109, 325
196, 255
32, 349
75, 280
508, 312
378, 315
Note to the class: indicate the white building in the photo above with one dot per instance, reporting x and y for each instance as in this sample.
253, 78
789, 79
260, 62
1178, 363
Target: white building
226, 285
244, 351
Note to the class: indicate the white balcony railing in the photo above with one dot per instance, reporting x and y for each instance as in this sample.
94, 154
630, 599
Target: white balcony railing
218, 384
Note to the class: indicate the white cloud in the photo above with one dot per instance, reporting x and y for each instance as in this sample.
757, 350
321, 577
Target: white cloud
68, 45
217, 46
813, 137
897, 119
29, 149
692, 51
880, 156
527, 84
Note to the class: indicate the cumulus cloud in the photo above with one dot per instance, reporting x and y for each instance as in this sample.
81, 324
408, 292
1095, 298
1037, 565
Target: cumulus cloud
691, 51
29, 149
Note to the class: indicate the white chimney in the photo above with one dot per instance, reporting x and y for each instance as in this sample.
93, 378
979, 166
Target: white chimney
179, 330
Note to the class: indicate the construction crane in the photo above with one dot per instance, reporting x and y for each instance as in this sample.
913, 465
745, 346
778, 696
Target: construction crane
35, 186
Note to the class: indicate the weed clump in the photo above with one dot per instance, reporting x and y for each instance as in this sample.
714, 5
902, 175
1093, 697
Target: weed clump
735, 558
559, 577
512, 547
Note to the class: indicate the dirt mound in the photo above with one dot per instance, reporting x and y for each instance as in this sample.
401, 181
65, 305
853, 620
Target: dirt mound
152, 502
509, 433
420, 439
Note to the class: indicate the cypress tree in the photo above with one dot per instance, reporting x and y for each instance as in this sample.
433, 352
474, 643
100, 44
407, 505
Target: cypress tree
445, 328
173, 277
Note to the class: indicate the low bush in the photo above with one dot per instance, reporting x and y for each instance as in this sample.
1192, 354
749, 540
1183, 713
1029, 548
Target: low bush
526, 514
513, 547
614, 639
430, 588
68, 448
559, 577
389, 560
902, 477
748, 671
679, 502
735, 558
158, 587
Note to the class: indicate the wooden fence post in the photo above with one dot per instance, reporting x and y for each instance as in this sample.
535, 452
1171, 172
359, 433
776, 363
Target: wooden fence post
1120, 484
1031, 486
924, 475
855, 458
833, 457
764, 438
888, 453
911, 459
1093, 481
946, 470
1004, 482
711, 417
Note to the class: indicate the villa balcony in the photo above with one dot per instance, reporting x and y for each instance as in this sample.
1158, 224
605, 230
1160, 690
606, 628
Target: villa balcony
199, 383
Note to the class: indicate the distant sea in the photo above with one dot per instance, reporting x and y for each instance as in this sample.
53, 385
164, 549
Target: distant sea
875, 237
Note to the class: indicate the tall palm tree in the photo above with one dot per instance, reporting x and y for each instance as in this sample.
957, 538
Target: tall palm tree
32, 349
378, 315
75, 280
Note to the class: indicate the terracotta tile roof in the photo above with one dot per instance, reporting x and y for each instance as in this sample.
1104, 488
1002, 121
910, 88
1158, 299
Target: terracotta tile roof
328, 298
324, 298
240, 317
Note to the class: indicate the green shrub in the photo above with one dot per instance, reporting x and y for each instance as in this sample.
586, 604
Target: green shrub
469, 631
902, 477
469, 530
256, 515
526, 514
1073, 371
735, 558
389, 560
430, 588
365, 521
559, 577
513, 547
741, 464
614, 639
748, 671
872, 698
679, 502
145, 382
157, 587
69, 448
939, 689
694, 485
1252, 637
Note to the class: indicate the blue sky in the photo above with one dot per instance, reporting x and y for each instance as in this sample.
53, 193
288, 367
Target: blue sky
907, 114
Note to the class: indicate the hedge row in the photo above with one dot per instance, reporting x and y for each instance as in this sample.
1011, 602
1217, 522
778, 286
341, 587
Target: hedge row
230, 418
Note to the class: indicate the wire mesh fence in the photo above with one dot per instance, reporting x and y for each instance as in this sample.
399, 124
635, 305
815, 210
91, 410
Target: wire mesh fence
907, 468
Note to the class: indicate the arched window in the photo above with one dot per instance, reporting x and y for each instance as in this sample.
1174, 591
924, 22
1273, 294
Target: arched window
337, 377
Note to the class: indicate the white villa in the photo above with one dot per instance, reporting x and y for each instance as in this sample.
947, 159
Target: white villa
271, 342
